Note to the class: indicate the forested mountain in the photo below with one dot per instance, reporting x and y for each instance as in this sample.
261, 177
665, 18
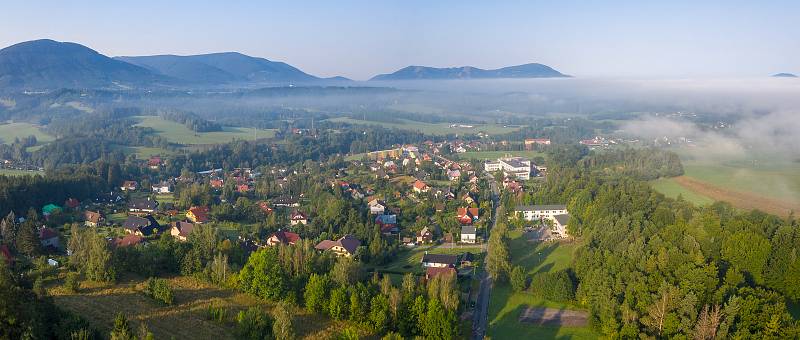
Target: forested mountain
51, 64
466, 72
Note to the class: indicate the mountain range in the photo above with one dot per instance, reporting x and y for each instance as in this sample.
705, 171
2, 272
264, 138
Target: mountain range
469, 72
51, 64
785, 75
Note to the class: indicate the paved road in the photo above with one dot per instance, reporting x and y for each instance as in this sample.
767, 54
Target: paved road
481, 316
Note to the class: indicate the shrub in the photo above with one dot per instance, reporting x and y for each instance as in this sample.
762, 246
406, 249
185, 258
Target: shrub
216, 313
159, 290
254, 324
72, 282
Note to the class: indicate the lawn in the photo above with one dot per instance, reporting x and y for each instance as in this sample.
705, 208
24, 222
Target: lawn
180, 134
185, 319
431, 128
10, 131
410, 260
670, 188
505, 305
14, 172
484, 155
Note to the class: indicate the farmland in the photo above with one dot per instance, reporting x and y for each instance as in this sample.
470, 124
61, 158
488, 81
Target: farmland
10, 131
505, 306
180, 134
431, 128
671, 188
100, 303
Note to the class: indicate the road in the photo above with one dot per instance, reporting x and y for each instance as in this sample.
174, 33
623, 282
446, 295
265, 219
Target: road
481, 315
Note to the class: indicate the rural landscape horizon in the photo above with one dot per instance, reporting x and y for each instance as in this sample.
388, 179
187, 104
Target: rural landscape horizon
399, 170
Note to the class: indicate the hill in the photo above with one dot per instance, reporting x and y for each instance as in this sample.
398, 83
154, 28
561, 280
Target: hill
468, 72
51, 64
784, 75
224, 67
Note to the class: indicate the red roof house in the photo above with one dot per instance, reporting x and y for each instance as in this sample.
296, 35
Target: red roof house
467, 215
283, 237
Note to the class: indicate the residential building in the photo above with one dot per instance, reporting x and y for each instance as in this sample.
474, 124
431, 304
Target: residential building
468, 234
298, 217
432, 272
181, 230
129, 185
283, 237
345, 246
539, 212
92, 218
142, 226
197, 214
560, 224
512, 166
128, 240
376, 207
162, 188
143, 205
439, 260
424, 235
48, 238
387, 223
420, 187
467, 216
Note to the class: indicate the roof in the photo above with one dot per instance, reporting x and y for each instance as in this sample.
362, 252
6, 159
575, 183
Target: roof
467, 212
440, 258
386, 219
128, 240
348, 242
129, 184
562, 219
325, 245
184, 228
286, 237
432, 272
50, 208
72, 203
541, 207
200, 213
143, 204
92, 216
298, 215
47, 233
467, 229
420, 184
144, 224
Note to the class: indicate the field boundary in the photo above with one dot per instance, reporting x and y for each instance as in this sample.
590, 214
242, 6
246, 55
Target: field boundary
741, 200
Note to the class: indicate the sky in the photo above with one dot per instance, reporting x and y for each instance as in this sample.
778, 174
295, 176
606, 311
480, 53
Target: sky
359, 39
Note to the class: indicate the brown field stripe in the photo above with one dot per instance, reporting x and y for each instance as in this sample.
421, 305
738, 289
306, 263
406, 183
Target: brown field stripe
741, 200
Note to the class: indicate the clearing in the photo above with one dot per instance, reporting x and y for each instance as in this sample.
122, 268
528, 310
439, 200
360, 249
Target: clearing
178, 133
431, 128
10, 131
100, 304
506, 306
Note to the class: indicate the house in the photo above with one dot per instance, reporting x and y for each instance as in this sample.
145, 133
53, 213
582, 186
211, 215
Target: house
420, 187
243, 187
142, 226
539, 212
108, 198
345, 246
154, 162
467, 259
180, 230
50, 209
560, 224
432, 272
387, 223
92, 218
197, 214
48, 238
439, 260
285, 201
376, 207
424, 235
469, 198
6, 254
283, 237
529, 143
454, 175
467, 216
128, 240
129, 185
217, 183
72, 203
162, 188
265, 207
468, 234
298, 217
143, 205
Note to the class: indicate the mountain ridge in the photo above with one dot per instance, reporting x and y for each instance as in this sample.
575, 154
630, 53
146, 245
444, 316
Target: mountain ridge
416, 72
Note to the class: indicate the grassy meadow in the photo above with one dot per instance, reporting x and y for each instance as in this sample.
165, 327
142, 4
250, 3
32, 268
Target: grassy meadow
670, 188
180, 134
484, 155
10, 131
506, 305
14, 172
430, 128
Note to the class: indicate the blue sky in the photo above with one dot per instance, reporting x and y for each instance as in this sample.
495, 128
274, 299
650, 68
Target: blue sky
359, 39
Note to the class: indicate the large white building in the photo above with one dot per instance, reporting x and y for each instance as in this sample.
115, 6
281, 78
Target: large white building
556, 213
513, 166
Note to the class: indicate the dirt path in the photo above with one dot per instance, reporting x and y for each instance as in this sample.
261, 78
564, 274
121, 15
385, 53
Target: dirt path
741, 200
554, 317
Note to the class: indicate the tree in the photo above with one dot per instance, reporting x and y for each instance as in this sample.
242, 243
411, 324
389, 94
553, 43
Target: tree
72, 283
519, 280
346, 272
438, 323
27, 240
263, 276
316, 293
708, 323
253, 324
338, 303
122, 330
379, 312
283, 327
658, 311
99, 266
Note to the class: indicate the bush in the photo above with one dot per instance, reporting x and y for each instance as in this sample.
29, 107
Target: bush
254, 324
159, 290
556, 286
216, 313
519, 280
72, 282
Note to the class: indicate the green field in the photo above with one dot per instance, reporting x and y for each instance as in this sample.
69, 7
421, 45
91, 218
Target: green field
484, 155
12, 172
10, 131
410, 260
505, 305
774, 179
180, 134
143, 152
431, 128
670, 188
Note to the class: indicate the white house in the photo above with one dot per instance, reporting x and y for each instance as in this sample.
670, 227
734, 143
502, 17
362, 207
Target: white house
468, 234
513, 166
376, 207
539, 212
